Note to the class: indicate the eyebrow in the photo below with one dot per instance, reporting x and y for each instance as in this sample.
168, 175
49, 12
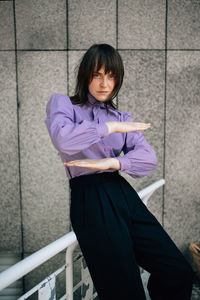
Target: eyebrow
101, 73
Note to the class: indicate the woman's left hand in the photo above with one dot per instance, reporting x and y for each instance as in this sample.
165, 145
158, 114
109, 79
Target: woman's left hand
97, 164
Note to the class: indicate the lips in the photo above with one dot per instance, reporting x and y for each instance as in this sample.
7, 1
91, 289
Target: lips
102, 92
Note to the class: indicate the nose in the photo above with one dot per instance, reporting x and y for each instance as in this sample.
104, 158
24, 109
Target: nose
104, 82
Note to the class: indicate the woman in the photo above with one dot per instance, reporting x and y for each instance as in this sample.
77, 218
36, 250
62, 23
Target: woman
115, 230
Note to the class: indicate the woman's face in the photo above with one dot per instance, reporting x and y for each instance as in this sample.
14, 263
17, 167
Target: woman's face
102, 85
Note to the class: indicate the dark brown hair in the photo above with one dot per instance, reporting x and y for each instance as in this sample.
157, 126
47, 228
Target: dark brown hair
97, 56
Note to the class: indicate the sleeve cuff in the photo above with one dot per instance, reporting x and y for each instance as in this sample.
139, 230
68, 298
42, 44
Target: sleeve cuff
102, 130
123, 162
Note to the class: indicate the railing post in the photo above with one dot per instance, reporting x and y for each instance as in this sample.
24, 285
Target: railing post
87, 283
69, 270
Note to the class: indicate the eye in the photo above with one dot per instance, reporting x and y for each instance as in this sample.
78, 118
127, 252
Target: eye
95, 75
112, 76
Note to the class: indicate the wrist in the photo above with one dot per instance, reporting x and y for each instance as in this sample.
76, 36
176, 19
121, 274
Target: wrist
115, 164
111, 126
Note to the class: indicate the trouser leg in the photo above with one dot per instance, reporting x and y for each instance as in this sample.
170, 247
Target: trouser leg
106, 243
116, 233
171, 275
113, 267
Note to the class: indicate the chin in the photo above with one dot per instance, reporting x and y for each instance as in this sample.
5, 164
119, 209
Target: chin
102, 97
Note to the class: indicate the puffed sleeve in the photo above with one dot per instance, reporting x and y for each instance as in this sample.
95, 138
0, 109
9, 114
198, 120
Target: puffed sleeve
139, 158
66, 135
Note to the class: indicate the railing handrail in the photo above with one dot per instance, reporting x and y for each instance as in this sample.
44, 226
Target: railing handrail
151, 188
29, 263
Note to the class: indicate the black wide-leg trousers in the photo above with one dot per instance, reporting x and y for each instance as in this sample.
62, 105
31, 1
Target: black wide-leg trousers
117, 234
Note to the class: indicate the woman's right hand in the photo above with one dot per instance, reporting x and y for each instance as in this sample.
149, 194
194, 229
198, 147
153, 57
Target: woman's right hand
126, 126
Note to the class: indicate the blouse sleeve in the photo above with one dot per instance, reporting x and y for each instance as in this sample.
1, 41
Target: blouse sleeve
139, 158
68, 136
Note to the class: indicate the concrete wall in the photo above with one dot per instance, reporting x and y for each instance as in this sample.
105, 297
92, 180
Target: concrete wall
41, 42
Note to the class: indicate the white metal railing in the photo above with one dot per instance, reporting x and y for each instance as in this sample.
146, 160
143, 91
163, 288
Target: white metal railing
46, 288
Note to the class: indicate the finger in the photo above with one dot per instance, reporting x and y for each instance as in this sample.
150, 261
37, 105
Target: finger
142, 128
77, 163
72, 162
145, 126
138, 123
142, 124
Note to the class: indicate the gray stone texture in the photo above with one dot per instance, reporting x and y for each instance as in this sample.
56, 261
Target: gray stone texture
183, 24
41, 24
10, 211
141, 24
6, 25
91, 22
74, 61
182, 199
44, 184
142, 94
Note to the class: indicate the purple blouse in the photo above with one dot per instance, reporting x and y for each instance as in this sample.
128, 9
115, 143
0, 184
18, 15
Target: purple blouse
80, 133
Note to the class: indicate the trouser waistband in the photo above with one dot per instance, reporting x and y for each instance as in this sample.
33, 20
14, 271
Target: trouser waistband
93, 178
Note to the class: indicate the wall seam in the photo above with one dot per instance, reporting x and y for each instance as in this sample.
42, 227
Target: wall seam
67, 44
165, 103
119, 49
18, 141
67, 53
117, 100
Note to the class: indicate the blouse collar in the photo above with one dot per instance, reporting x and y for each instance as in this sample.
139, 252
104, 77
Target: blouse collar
94, 101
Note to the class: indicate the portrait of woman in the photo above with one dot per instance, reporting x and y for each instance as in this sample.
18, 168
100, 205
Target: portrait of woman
115, 230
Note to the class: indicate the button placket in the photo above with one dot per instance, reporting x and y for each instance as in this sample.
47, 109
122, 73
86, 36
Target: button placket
95, 113
110, 151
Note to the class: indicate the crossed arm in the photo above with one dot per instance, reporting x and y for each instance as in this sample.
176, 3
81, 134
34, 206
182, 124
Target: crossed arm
107, 163
68, 137
97, 164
